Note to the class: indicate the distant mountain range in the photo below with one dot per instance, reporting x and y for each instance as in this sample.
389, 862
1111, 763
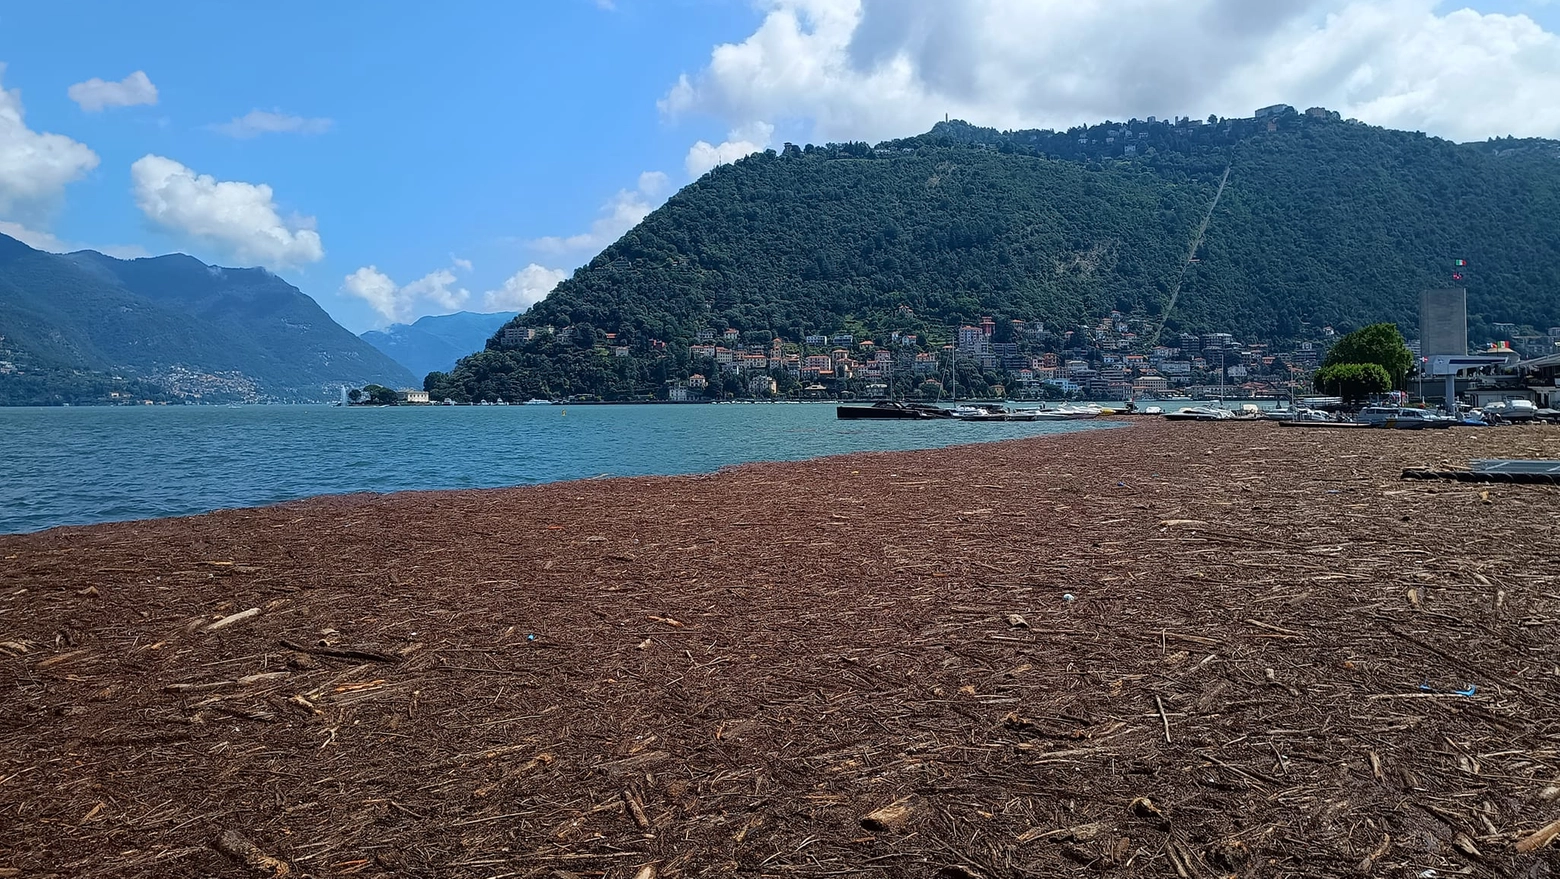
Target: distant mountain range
435, 342
86, 328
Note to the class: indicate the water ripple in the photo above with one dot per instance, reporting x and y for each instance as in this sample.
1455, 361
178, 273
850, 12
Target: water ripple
85, 465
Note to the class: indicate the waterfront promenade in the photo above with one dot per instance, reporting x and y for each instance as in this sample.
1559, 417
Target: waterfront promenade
1169, 650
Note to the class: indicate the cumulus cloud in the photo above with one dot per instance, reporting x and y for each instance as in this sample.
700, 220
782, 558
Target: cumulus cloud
740, 142
33, 238
258, 122
396, 303
524, 288
241, 219
96, 94
621, 213
34, 166
872, 69
39, 239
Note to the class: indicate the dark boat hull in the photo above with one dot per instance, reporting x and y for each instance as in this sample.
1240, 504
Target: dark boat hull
897, 412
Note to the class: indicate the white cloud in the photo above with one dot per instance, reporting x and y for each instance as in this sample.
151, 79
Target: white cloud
33, 238
95, 94
524, 289
239, 218
258, 122
620, 214
740, 142
38, 239
654, 183
35, 167
397, 303
872, 69
122, 251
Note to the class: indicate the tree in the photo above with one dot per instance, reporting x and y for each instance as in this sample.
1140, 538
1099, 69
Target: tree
380, 395
355, 395
1379, 344
1353, 381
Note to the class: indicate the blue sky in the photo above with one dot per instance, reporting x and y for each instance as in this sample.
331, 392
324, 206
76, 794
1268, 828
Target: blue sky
423, 158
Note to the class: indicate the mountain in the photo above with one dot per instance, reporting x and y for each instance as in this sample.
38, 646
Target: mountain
1323, 222
84, 327
436, 342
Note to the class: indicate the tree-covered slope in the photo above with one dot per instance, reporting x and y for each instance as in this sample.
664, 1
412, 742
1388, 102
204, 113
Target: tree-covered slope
69, 324
1323, 222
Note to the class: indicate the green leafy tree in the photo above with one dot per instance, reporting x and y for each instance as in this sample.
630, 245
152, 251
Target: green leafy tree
1379, 344
380, 395
1354, 382
355, 395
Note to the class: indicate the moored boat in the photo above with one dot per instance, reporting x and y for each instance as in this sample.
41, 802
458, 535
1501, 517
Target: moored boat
892, 410
1199, 413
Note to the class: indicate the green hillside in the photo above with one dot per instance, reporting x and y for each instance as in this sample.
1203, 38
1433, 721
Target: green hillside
83, 327
1323, 222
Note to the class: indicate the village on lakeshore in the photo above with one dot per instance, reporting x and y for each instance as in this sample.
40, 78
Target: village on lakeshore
1118, 358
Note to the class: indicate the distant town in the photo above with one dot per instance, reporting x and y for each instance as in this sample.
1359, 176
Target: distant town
1016, 359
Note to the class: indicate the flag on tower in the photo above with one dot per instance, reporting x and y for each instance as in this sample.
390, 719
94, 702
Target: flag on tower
1460, 263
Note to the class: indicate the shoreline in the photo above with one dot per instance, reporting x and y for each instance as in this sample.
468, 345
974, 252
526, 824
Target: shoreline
367, 495
738, 671
973, 440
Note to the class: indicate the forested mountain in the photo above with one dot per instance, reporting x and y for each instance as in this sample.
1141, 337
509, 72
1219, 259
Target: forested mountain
436, 341
1323, 222
84, 327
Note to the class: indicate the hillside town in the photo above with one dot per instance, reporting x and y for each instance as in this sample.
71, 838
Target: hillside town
1020, 359
1115, 358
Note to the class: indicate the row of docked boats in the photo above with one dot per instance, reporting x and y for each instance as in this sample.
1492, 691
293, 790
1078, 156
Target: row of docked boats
894, 410
1382, 416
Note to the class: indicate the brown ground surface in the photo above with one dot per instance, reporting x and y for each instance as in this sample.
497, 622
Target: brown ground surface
729, 672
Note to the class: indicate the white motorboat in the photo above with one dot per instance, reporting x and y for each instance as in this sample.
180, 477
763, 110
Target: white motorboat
977, 413
1078, 413
1513, 409
1199, 413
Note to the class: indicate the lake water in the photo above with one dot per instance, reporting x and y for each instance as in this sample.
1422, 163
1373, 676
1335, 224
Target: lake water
75, 466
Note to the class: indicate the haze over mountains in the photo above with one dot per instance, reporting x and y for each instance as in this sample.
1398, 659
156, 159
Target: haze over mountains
84, 327
1324, 222
435, 342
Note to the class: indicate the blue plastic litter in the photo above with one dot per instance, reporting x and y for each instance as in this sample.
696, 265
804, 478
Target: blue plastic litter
1472, 689
530, 637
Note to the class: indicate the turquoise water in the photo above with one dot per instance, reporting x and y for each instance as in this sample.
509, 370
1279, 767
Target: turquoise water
76, 466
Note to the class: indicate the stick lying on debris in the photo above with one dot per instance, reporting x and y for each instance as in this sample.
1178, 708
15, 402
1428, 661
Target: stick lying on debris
342, 652
236, 846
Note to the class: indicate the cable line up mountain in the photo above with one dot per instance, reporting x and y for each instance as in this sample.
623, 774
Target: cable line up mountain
89, 328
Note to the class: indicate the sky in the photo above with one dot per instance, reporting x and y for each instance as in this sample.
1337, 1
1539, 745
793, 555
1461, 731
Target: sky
395, 159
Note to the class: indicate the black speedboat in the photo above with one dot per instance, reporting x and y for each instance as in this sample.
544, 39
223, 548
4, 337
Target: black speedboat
891, 409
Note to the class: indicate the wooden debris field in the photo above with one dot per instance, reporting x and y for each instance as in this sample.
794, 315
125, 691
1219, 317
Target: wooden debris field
1189, 650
